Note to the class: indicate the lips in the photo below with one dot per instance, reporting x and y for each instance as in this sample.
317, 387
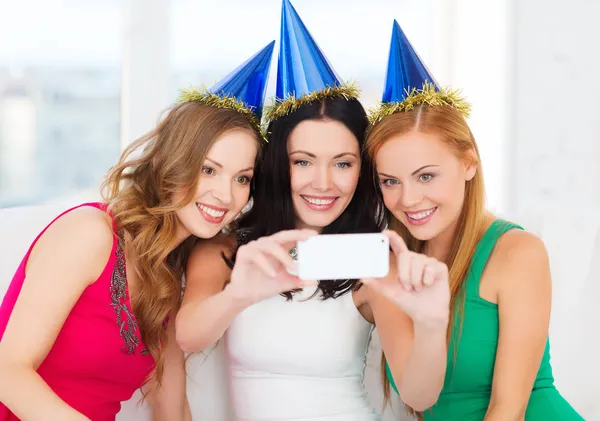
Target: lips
212, 214
319, 203
420, 217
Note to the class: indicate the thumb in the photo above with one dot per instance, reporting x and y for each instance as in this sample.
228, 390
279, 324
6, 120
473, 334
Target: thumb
396, 242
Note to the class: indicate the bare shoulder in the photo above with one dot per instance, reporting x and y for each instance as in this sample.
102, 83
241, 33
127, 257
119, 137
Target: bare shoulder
518, 246
88, 220
69, 256
518, 256
82, 237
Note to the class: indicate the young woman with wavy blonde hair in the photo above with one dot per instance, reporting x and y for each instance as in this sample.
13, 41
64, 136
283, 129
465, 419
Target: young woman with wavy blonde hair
89, 315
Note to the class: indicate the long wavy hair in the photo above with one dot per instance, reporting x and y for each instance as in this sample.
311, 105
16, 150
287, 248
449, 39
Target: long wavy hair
140, 192
448, 125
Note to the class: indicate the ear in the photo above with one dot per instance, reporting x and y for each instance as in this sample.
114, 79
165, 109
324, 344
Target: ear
470, 165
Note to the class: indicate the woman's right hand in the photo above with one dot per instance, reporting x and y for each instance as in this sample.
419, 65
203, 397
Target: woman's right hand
264, 268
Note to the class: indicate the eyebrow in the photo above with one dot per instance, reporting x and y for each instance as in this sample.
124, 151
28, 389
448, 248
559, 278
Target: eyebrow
214, 162
413, 173
312, 155
221, 166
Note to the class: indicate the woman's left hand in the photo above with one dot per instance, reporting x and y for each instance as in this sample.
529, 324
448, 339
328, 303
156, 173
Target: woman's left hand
420, 287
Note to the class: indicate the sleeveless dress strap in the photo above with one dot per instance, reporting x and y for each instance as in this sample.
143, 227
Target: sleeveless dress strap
482, 253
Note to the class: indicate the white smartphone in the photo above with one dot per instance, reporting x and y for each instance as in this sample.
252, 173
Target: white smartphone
343, 256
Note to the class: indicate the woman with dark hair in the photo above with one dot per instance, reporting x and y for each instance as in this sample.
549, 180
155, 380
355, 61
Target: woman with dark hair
297, 349
287, 166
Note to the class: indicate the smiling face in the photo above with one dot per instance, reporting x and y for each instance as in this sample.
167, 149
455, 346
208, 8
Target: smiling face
324, 170
423, 182
224, 185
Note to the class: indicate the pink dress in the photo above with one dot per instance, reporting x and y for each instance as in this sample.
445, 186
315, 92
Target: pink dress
98, 359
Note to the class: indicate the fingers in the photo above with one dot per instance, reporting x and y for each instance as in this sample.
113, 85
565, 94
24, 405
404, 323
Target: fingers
277, 252
429, 274
289, 282
404, 270
270, 253
251, 253
396, 242
418, 266
440, 270
417, 271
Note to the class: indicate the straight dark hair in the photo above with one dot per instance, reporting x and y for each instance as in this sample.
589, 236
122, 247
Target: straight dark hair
273, 210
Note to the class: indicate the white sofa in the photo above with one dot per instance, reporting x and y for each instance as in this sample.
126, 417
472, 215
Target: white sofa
207, 387
574, 331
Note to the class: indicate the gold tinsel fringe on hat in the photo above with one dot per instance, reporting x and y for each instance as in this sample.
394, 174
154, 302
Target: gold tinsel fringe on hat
427, 96
283, 107
203, 96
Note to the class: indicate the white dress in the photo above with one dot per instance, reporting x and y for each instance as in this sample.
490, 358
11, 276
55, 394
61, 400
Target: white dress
300, 360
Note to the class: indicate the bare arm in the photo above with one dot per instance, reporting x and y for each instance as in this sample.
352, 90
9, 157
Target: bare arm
415, 351
67, 258
207, 309
169, 401
521, 267
260, 272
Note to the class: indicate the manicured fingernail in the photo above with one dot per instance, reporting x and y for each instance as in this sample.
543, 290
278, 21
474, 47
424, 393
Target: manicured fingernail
292, 269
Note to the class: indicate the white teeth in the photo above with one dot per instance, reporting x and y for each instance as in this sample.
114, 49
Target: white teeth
318, 201
212, 212
420, 215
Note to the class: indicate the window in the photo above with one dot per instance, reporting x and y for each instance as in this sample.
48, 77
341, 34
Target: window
60, 93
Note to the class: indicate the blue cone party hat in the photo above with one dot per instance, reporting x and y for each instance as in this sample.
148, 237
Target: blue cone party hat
303, 73
248, 83
408, 82
405, 69
242, 90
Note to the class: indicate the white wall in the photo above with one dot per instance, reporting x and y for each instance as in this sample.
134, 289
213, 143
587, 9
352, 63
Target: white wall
554, 148
529, 69
146, 69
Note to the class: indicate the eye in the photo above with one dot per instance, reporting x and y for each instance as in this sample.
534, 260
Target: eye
425, 178
343, 165
390, 182
208, 170
244, 179
301, 163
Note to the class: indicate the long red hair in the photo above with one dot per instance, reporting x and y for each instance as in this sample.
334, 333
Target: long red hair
448, 125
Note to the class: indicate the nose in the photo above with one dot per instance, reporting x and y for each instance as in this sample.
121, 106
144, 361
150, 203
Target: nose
410, 196
222, 191
322, 179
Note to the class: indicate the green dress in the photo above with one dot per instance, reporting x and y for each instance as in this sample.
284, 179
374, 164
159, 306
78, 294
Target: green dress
468, 383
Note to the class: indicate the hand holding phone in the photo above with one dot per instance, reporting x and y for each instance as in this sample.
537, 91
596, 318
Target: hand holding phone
419, 285
343, 256
264, 268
